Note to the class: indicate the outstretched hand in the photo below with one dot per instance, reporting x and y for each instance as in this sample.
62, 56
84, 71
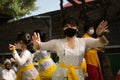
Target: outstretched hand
36, 40
102, 28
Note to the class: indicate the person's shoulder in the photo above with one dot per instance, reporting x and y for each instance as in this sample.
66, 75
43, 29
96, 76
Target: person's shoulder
26, 51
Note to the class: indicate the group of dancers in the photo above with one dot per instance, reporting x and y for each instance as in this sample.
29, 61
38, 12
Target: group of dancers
70, 50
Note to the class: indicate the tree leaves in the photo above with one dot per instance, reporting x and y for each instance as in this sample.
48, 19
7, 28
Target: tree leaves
17, 8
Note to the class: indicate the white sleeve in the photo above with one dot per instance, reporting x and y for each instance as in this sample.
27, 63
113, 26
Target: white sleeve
22, 60
93, 42
49, 45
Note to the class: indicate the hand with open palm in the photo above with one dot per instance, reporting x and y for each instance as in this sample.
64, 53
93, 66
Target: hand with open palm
36, 40
102, 28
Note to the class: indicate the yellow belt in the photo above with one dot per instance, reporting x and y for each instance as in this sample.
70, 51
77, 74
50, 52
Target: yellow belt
72, 75
25, 68
43, 60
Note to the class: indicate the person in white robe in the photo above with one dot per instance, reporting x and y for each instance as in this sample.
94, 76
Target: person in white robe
26, 69
7, 72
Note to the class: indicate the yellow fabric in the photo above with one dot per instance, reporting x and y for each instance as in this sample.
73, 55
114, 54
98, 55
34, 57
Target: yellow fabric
72, 75
43, 60
37, 78
25, 68
47, 74
91, 56
84, 67
86, 35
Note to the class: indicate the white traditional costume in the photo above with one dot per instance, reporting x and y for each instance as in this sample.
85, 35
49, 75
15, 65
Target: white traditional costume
26, 66
46, 65
70, 59
8, 74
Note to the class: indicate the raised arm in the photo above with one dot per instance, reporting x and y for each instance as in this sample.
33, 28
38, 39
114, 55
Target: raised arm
36, 41
101, 40
20, 60
49, 45
101, 29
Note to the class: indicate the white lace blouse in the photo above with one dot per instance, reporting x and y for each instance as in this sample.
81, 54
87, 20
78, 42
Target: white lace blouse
25, 59
70, 56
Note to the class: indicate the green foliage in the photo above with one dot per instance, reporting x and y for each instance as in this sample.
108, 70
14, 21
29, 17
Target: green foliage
17, 8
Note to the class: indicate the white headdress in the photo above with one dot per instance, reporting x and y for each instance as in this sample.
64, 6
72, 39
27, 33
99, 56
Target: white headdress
7, 61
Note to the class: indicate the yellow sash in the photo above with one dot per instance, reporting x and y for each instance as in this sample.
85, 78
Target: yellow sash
72, 75
43, 60
47, 74
25, 68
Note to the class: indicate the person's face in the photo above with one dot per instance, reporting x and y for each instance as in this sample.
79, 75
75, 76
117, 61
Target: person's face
8, 65
91, 30
69, 26
19, 45
70, 30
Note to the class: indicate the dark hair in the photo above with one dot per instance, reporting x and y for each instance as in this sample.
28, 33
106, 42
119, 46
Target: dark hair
69, 20
87, 25
27, 39
42, 36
